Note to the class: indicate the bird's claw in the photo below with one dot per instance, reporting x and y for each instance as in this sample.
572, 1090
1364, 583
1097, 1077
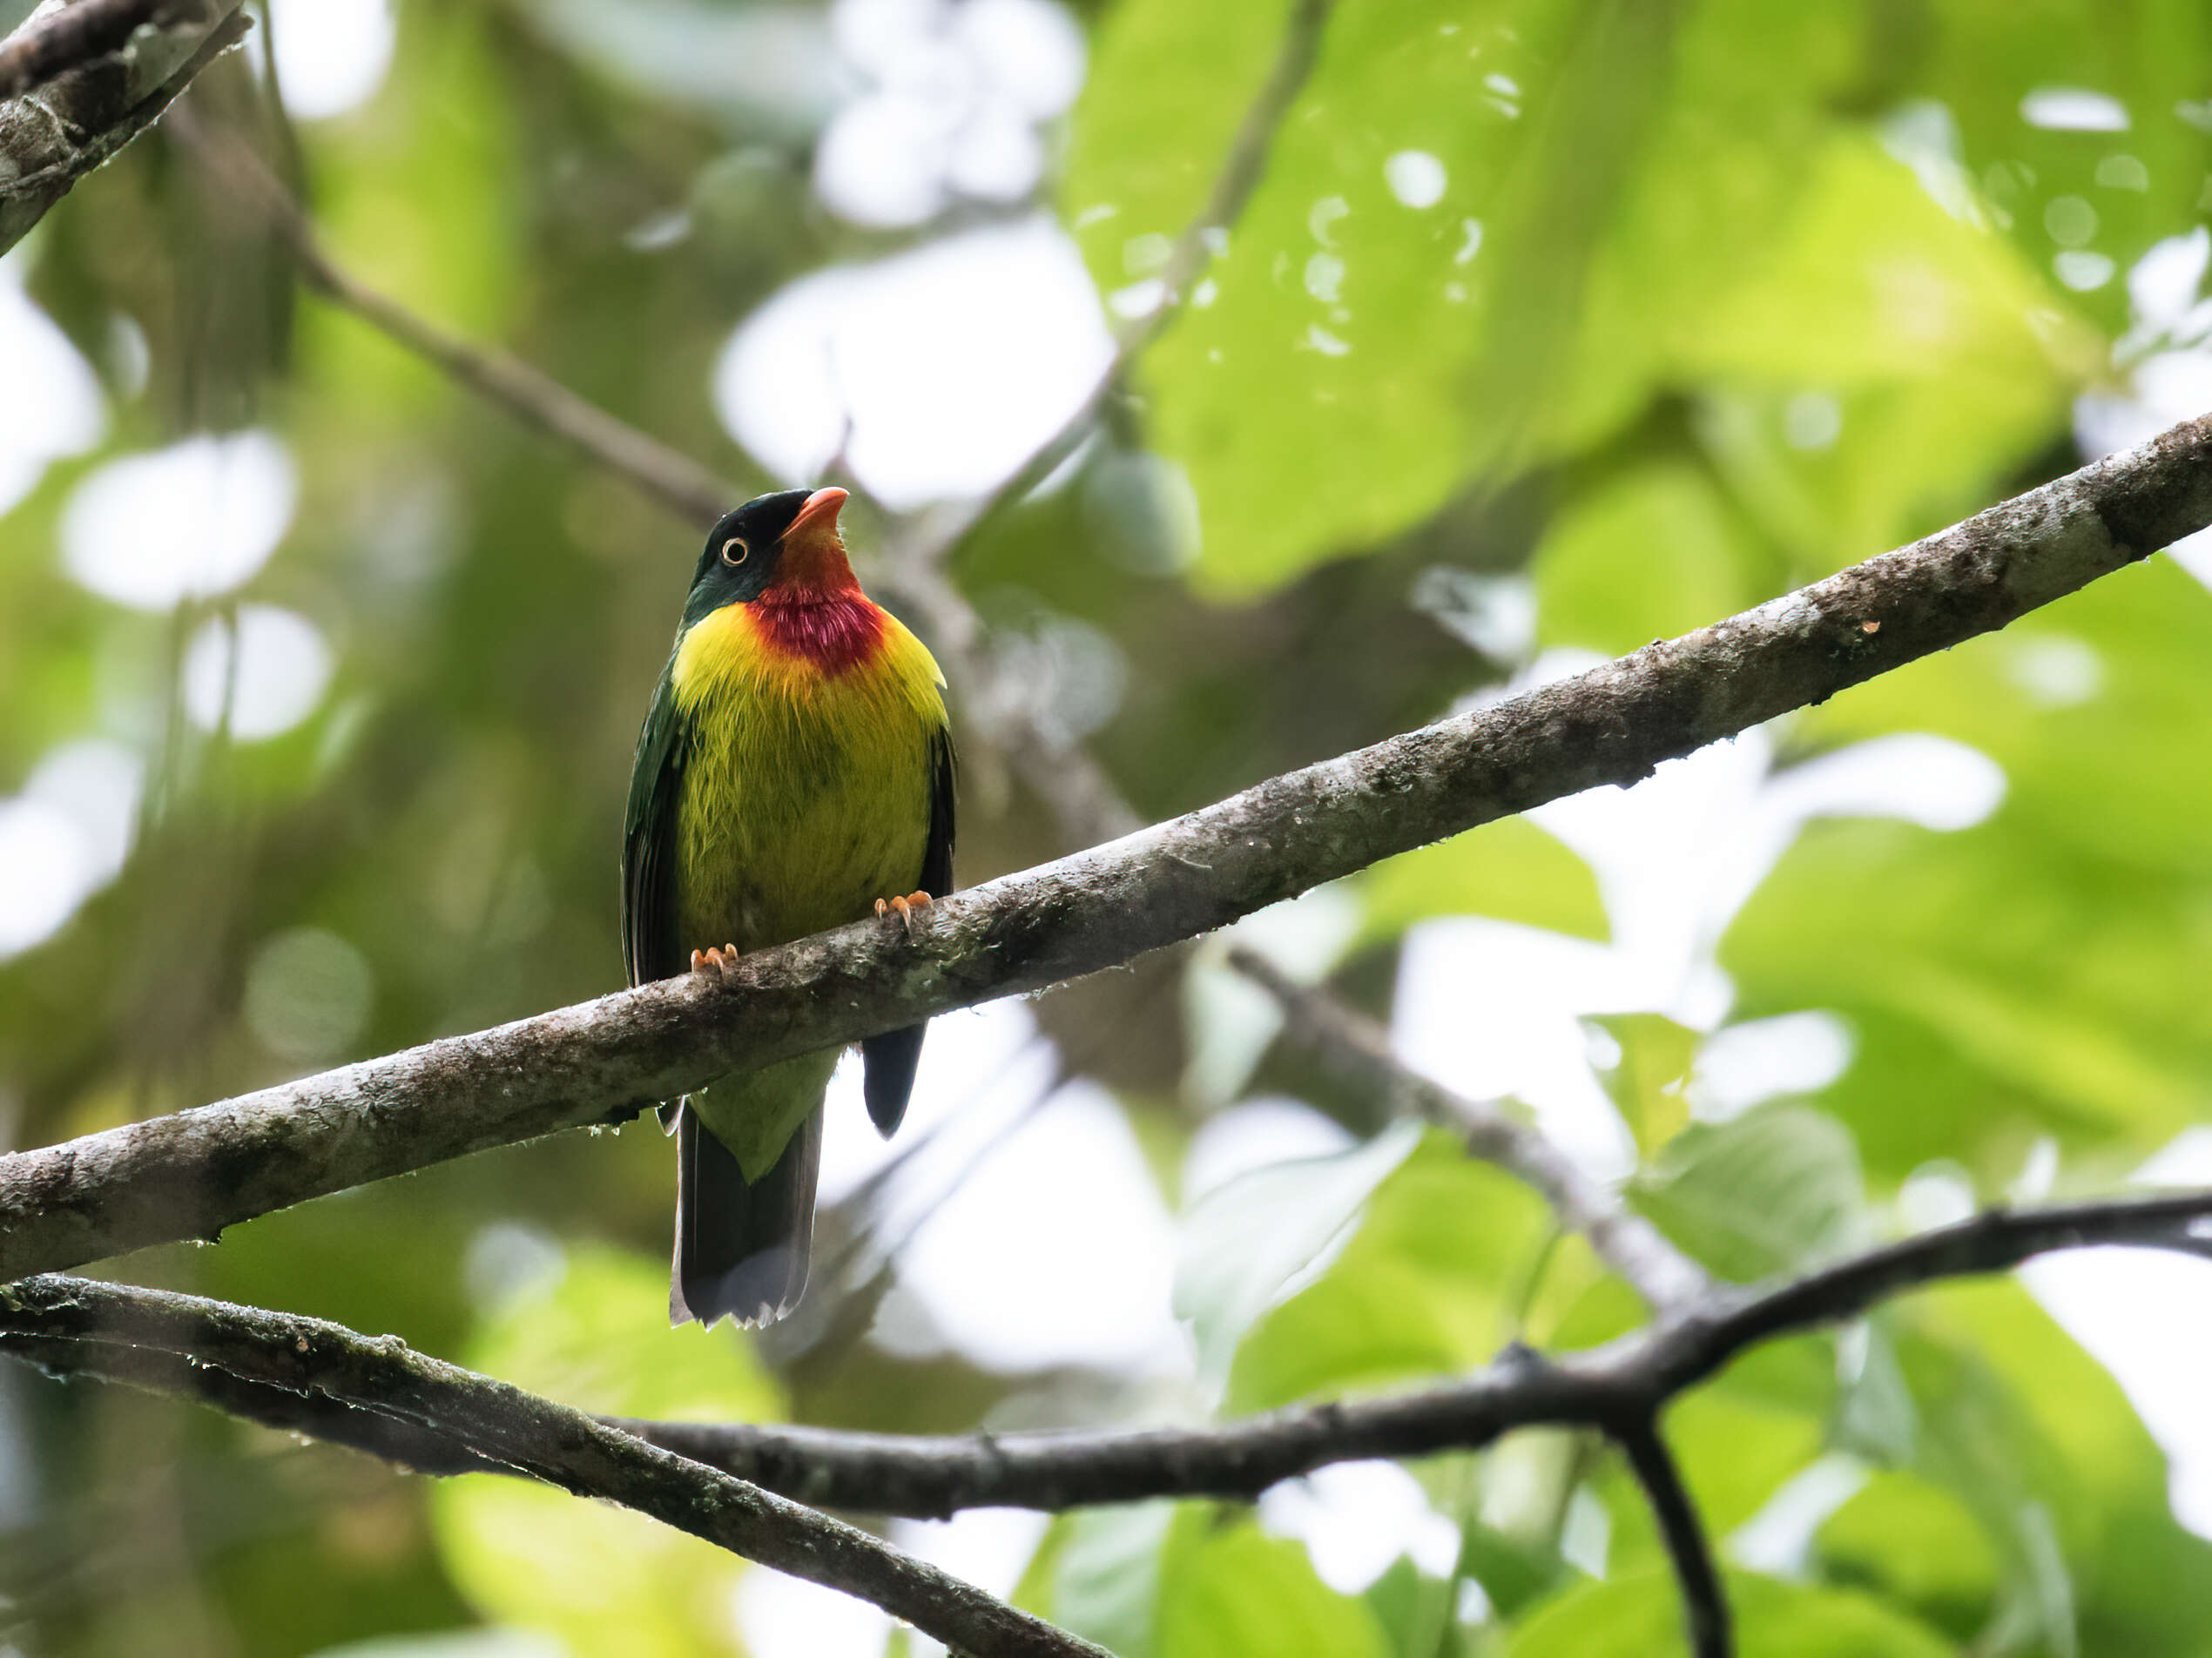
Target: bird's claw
722, 961
903, 907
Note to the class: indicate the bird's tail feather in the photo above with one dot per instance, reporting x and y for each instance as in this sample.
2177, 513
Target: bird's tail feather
741, 1247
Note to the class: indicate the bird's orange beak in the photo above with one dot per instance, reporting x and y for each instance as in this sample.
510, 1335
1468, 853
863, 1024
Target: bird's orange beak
815, 547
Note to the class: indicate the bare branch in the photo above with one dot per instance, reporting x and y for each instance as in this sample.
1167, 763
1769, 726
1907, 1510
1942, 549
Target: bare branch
1612, 1389
504, 1425
191, 1173
78, 85
1704, 1602
1617, 1389
1358, 1050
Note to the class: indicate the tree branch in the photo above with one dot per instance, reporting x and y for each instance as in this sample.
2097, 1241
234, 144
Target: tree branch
1704, 1602
73, 1326
666, 476
192, 1173
519, 1432
78, 85
316, 1378
45, 48
1358, 1050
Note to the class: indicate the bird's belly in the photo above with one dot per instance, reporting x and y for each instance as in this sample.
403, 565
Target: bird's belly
796, 813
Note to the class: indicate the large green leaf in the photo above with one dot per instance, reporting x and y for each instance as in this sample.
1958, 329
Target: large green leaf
602, 1579
1773, 1190
1245, 1243
1425, 1285
1654, 553
1640, 1616
1509, 871
1911, 1540
1629, 197
1320, 391
2039, 972
2037, 1442
1101, 1575
1880, 367
1228, 1590
2145, 59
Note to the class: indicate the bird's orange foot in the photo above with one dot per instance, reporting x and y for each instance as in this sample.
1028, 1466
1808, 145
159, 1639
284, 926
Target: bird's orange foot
721, 961
903, 907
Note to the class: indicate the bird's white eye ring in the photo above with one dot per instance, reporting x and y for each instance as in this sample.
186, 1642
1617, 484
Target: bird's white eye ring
734, 550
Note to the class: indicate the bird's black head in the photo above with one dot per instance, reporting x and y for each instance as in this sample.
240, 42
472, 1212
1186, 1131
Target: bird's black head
784, 544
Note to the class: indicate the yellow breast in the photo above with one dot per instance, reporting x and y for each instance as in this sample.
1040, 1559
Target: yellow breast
807, 792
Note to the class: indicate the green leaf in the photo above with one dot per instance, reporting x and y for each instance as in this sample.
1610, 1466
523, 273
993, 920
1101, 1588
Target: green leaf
2037, 972
2148, 57
1425, 1285
1928, 356
1773, 1190
1912, 1541
1640, 1616
1410, 1609
1106, 1575
2035, 1439
1228, 1590
1648, 1082
1510, 870
1655, 552
602, 1579
1320, 391
596, 1336
1514, 1571
1242, 1245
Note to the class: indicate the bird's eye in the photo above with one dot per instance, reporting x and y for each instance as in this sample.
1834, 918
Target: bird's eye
734, 550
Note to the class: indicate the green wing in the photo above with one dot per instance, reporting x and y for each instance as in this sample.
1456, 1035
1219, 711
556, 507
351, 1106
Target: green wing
650, 944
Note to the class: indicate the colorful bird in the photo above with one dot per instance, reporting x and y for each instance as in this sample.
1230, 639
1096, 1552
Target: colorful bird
794, 771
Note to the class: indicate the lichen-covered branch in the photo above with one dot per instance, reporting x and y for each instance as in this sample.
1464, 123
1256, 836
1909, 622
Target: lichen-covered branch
78, 82
481, 1421
69, 1326
372, 1394
191, 1173
1360, 1050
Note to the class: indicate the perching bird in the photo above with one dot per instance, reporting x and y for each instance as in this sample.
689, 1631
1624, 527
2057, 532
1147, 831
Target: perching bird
795, 771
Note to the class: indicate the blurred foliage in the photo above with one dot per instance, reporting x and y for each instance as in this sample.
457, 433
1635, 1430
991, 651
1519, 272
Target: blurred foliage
1553, 327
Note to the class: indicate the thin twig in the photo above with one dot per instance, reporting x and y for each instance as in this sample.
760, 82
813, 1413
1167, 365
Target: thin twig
1705, 1601
666, 476
529, 1435
191, 1173
1241, 172
1359, 1049
1082, 798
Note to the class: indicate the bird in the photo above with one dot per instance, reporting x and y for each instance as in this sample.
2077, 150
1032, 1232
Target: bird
794, 771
